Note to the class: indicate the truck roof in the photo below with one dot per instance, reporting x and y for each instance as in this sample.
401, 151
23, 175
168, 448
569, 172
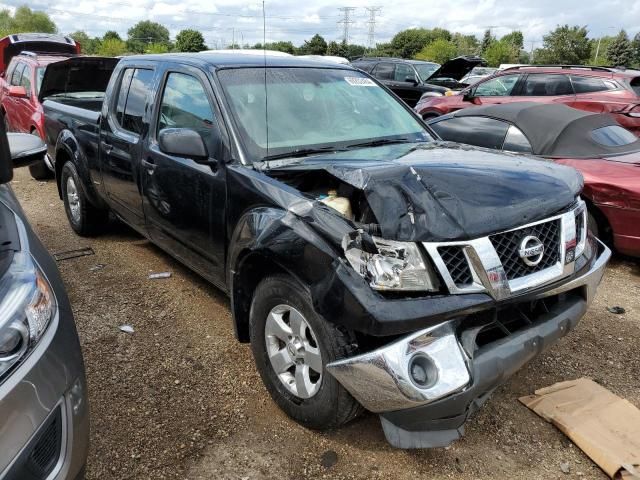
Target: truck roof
235, 59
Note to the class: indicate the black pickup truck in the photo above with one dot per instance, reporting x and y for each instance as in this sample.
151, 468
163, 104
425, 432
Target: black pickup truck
368, 264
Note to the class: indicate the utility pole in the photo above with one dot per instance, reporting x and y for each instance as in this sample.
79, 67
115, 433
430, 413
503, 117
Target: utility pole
373, 11
346, 22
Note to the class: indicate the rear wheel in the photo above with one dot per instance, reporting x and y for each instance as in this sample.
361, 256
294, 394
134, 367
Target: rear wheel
85, 218
40, 170
292, 345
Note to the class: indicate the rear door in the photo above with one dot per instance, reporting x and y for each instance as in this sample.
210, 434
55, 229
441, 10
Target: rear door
9, 103
184, 201
385, 73
121, 137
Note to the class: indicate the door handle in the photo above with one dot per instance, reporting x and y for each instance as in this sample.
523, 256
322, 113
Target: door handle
150, 165
107, 147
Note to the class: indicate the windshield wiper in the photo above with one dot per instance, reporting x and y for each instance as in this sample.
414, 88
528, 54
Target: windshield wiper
381, 141
303, 152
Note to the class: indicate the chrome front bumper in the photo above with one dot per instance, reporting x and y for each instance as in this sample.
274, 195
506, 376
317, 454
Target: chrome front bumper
381, 381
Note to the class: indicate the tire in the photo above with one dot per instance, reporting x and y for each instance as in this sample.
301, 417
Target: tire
84, 218
331, 405
40, 170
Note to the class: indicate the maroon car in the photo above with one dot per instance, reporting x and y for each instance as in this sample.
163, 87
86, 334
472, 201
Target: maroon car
594, 89
607, 155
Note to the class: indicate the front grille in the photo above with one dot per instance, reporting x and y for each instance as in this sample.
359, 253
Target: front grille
507, 245
456, 262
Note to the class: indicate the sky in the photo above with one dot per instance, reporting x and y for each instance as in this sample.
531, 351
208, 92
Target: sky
222, 22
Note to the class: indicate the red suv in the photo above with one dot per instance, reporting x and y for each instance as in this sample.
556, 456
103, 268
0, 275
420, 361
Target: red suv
594, 89
21, 110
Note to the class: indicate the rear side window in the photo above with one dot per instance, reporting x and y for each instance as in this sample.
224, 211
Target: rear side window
613, 136
547, 85
365, 66
515, 141
635, 85
479, 131
384, 71
591, 84
17, 74
131, 103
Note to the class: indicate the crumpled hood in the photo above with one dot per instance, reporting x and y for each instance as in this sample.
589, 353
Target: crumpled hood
446, 192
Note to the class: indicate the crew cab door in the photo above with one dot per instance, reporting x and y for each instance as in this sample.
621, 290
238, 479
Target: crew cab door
122, 133
185, 198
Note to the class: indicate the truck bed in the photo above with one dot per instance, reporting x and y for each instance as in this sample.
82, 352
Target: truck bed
82, 108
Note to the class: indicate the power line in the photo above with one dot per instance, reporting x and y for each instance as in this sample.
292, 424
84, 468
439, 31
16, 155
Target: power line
371, 39
346, 22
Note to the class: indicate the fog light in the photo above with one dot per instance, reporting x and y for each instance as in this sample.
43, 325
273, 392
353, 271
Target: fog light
422, 371
570, 255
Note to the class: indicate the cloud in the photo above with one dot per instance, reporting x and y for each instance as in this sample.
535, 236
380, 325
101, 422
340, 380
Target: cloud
222, 20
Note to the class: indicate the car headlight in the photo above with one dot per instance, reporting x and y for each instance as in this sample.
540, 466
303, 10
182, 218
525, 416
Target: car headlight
389, 265
26, 309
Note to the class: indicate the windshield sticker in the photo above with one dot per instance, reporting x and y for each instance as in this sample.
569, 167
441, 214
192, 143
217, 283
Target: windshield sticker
360, 82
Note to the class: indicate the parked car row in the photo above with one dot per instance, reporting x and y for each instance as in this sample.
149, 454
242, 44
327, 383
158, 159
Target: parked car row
369, 265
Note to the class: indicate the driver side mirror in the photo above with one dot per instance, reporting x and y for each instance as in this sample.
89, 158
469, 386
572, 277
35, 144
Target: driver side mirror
183, 142
18, 150
470, 96
17, 91
411, 79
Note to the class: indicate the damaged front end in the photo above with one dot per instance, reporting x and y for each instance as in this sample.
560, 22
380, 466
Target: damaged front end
452, 273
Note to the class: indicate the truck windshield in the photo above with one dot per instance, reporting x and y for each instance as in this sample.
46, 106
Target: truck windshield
309, 109
425, 70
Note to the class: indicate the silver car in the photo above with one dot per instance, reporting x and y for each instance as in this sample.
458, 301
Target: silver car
44, 415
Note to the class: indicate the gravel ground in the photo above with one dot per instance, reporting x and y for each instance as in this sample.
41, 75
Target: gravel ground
180, 398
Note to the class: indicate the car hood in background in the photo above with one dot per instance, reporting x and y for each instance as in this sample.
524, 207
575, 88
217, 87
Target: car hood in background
458, 67
446, 192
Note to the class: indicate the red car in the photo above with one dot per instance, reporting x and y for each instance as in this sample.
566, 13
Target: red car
594, 89
607, 155
19, 84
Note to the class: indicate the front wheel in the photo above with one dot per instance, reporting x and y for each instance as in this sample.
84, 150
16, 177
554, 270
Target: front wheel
85, 218
291, 346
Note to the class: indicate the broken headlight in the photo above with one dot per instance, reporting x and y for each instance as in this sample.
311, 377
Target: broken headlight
26, 309
389, 265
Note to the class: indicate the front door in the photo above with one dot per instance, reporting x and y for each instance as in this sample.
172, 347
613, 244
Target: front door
184, 201
405, 84
121, 138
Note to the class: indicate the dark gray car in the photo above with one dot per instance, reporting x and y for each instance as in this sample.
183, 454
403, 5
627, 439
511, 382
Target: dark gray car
44, 416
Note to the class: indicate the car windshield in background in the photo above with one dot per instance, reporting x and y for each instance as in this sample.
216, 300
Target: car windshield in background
425, 70
314, 109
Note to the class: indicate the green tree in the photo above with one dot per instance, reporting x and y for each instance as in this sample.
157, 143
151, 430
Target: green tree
334, 48
286, 47
408, 43
25, 20
111, 34
316, 46
515, 38
190, 41
620, 51
466, 44
487, 40
87, 44
112, 47
565, 45
600, 46
635, 45
354, 51
500, 52
156, 48
439, 51
145, 33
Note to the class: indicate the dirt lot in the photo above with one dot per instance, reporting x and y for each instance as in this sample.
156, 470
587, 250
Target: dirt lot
179, 398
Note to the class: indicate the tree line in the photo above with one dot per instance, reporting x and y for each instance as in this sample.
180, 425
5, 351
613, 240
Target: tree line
564, 45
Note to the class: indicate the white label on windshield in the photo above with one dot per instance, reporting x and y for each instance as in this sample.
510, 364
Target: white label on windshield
360, 82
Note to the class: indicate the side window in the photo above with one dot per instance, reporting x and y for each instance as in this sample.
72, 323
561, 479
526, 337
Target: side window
515, 141
547, 85
137, 100
384, 71
479, 131
365, 66
185, 104
10, 70
25, 81
497, 87
591, 84
613, 136
17, 74
122, 94
403, 72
